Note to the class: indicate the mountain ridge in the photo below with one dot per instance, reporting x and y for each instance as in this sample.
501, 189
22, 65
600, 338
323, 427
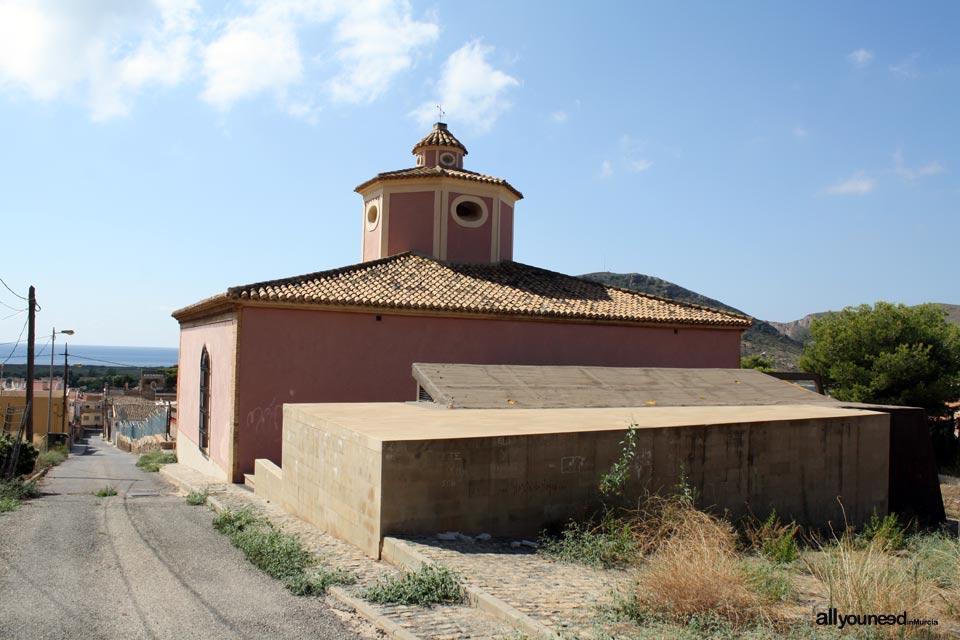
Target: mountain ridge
781, 341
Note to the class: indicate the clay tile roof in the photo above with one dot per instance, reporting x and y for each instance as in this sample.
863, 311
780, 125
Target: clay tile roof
435, 172
413, 281
439, 136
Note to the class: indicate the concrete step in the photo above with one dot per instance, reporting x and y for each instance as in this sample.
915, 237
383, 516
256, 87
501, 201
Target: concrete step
250, 480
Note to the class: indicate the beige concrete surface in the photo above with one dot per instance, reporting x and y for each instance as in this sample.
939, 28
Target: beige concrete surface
362, 471
369, 424
269, 481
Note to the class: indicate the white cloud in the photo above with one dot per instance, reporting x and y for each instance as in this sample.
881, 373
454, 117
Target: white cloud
639, 166
606, 169
906, 68
470, 89
374, 41
255, 53
800, 131
103, 53
858, 184
911, 175
98, 53
559, 117
377, 40
860, 58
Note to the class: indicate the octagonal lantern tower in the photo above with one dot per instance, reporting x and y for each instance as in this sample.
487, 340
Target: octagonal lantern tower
438, 208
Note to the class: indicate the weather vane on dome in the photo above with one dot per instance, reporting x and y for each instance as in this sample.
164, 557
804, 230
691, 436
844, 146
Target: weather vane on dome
440, 113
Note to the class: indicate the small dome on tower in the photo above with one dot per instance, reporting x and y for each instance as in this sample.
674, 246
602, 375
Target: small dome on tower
440, 136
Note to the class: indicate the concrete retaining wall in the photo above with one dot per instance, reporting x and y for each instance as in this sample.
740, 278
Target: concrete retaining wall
365, 471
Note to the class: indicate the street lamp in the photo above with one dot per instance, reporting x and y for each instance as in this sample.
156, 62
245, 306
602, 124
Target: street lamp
53, 342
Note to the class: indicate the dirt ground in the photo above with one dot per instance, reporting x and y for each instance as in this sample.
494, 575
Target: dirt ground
951, 499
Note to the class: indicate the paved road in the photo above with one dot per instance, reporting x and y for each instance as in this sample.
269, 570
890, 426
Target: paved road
142, 564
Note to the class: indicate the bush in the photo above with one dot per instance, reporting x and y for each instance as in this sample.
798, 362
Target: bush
608, 544
153, 460
425, 587
27, 457
9, 504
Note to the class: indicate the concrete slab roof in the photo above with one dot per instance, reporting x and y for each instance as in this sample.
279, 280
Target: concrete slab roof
468, 386
376, 423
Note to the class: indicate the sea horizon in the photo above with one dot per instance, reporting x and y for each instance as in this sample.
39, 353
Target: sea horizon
94, 355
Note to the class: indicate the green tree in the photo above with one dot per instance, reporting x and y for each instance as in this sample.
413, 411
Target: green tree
887, 354
760, 362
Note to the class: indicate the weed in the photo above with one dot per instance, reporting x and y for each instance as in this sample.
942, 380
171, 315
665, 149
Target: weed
773, 539
230, 522
613, 482
18, 489
938, 557
197, 498
279, 555
608, 544
153, 460
13, 491
51, 457
316, 582
695, 572
106, 492
769, 580
887, 532
867, 577
427, 586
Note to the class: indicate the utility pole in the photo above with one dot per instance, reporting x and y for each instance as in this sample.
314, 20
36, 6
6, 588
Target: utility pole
66, 380
31, 339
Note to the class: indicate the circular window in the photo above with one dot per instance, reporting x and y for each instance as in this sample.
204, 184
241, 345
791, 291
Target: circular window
419, 160
447, 159
469, 211
373, 215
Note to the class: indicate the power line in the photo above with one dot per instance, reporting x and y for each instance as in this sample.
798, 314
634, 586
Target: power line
15, 344
16, 313
4, 304
12, 291
119, 364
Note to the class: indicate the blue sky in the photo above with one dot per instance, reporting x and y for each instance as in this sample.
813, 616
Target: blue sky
782, 158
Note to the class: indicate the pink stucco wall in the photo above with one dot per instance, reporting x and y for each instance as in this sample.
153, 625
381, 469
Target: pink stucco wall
289, 355
219, 338
469, 244
506, 232
411, 222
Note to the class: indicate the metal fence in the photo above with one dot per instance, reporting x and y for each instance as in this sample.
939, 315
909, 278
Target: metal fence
156, 423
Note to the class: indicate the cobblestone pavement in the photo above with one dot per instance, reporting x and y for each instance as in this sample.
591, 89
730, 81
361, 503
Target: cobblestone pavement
436, 623
564, 598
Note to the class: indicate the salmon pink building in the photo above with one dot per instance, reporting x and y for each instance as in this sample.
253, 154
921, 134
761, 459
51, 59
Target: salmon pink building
437, 284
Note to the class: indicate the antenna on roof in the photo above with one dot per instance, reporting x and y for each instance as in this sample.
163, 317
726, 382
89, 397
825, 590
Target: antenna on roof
440, 113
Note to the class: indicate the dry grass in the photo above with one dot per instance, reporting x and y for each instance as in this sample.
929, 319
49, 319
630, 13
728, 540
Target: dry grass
694, 570
864, 579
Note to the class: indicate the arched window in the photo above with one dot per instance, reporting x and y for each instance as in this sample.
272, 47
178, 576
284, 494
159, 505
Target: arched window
204, 423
